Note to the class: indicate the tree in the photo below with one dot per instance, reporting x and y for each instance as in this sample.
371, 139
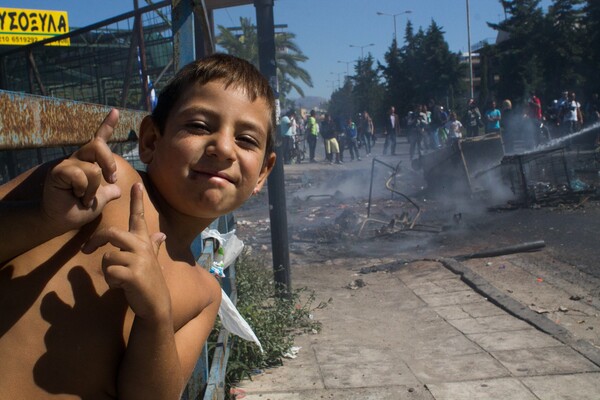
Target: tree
288, 55
341, 105
395, 78
563, 54
517, 60
424, 68
444, 75
367, 90
591, 41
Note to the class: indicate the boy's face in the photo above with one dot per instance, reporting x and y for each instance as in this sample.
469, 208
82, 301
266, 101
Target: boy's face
211, 156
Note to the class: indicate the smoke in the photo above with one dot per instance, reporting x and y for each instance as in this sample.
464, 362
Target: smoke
495, 189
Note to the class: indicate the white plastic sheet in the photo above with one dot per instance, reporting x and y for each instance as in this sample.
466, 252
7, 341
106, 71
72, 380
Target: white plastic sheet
231, 319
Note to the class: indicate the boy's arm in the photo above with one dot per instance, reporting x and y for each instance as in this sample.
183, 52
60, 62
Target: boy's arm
157, 361
58, 196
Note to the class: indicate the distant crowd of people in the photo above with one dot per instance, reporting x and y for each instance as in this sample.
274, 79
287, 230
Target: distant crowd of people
297, 134
431, 126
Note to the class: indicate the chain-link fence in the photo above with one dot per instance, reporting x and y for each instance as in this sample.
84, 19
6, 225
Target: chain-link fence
116, 62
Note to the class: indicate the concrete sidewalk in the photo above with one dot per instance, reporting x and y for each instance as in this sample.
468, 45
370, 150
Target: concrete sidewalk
419, 332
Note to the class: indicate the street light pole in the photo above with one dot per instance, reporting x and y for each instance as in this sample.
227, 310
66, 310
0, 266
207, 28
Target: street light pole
339, 80
347, 64
470, 55
394, 16
362, 55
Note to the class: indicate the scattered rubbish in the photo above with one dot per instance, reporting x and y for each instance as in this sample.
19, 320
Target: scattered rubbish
575, 298
563, 309
540, 280
488, 264
581, 321
539, 310
390, 267
292, 352
577, 185
356, 284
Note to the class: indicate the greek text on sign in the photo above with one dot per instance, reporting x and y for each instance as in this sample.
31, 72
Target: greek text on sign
19, 27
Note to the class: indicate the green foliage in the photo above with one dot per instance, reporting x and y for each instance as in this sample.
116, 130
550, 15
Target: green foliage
367, 90
545, 51
275, 320
244, 44
423, 69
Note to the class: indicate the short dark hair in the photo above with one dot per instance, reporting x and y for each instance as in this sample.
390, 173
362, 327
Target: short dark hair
232, 71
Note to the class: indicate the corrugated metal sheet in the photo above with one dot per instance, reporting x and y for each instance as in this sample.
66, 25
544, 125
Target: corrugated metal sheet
28, 121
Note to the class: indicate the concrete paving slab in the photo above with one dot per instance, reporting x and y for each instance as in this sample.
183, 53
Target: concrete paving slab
439, 286
440, 346
458, 368
490, 389
301, 373
420, 272
495, 323
544, 361
513, 340
471, 310
364, 375
343, 354
386, 393
561, 387
294, 376
444, 299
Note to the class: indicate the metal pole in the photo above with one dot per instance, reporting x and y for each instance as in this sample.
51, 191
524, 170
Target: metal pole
470, 56
371, 188
395, 34
276, 182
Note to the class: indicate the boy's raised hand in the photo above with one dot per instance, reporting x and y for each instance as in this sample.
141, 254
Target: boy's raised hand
73, 192
135, 268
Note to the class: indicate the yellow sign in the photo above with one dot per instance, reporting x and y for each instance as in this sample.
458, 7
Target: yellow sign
19, 27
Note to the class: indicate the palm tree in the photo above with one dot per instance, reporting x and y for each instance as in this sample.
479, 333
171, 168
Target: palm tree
243, 42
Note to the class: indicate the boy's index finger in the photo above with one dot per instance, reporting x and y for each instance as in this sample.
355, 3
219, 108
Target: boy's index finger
137, 222
108, 125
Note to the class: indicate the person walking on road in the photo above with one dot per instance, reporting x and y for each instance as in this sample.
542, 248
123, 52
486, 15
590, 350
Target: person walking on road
365, 131
472, 120
351, 137
312, 133
332, 148
392, 129
286, 133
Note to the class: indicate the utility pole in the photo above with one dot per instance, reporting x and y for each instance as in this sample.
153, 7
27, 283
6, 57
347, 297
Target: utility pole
276, 182
470, 55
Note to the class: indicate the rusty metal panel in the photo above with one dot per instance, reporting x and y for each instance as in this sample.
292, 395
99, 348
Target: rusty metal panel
29, 121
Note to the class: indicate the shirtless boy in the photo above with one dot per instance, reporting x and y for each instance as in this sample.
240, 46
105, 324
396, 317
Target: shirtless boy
100, 295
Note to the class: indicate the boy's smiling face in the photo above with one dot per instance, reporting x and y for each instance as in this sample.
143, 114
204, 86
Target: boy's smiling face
211, 156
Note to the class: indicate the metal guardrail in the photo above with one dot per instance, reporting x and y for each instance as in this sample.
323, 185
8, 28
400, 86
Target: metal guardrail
30, 121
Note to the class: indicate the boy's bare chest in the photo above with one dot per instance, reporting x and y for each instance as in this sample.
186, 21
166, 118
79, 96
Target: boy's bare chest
60, 324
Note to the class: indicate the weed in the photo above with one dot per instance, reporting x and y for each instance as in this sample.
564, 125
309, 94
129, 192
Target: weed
276, 320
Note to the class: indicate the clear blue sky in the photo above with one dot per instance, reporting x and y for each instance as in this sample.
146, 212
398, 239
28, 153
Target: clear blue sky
325, 29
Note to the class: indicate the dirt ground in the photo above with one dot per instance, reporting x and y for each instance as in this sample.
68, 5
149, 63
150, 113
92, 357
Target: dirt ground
330, 217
